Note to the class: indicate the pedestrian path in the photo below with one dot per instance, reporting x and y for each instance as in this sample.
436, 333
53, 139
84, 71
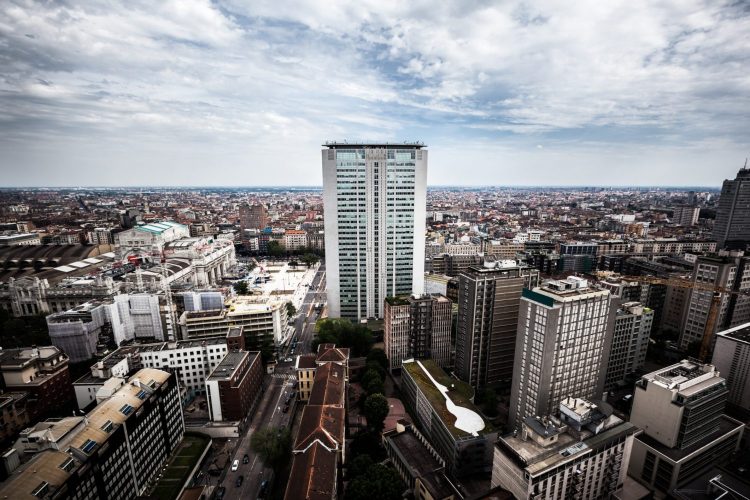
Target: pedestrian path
285, 376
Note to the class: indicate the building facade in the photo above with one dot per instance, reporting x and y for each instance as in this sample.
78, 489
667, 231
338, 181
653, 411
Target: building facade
632, 330
732, 360
418, 327
488, 305
564, 339
233, 386
374, 201
253, 217
732, 226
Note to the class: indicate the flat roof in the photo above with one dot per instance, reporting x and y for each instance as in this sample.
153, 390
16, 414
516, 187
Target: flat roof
739, 333
228, 365
726, 426
389, 145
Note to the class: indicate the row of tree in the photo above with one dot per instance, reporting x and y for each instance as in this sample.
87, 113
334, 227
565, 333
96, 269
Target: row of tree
343, 333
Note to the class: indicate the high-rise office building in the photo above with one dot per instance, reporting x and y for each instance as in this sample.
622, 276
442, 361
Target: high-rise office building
732, 359
374, 199
632, 328
562, 349
488, 303
253, 217
680, 411
418, 327
732, 227
686, 215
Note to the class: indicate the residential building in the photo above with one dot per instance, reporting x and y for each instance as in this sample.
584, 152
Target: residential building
14, 415
580, 452
294, 239
319, 448
307, 364
122, 448
680, 411
253, 217
43, 373
448, 418
732, 226
564, 338
418, 464
100, 236
488, 305
233, 386
732, 360
686, 215
503, 249
418, 327
375, 207
632, 330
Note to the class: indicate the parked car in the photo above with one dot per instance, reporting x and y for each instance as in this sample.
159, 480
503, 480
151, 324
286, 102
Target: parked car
245, 459
239, 481
220, 492
235, 465
263, 489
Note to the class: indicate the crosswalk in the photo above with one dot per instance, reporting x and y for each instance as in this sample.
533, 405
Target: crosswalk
285, 376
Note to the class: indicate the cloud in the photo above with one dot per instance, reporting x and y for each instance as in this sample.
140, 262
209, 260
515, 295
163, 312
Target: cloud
246, 82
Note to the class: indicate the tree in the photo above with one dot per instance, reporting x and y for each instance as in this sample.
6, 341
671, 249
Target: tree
375, 411
274, 249
240, 287
290, 309
378, 356
344, 333
489, 401
359, 465
309, 259
274, 445
379, 483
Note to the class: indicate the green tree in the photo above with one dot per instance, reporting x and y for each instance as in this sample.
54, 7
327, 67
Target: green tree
309, 259
240, 287
373, 365
375, 411
344, 333
359, 465
378, 356
274, 249
489, 401
290, 309
379, 483
274, 445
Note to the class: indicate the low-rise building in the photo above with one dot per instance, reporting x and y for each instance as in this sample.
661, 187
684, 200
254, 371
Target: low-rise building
13, 413
582, 452
448, 418
233, 386
306, 365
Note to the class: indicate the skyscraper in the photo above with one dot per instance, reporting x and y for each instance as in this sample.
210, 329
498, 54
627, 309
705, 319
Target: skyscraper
564, 338
732, 227
374, 199
488, 302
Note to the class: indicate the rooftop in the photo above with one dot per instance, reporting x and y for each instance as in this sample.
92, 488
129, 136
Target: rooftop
449, 397
387, 145
726, 425
683, 375
159, 227
229, 364
313, 474
739, 333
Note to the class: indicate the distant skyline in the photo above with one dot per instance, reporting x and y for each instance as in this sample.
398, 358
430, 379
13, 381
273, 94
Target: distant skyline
230, 93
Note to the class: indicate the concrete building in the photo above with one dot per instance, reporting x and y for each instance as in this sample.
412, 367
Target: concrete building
233, 386
686, 215
14, 415
632, 330
488, 302
147, 239
294, 239
319, 448
418, 327
53, 434
307, 364
375, 202
43, 373
253, 217
20, 239
680, 411
580, 452
503, 249
31, 296
732, 226
117, 454
448, 418
732, 360
564, 338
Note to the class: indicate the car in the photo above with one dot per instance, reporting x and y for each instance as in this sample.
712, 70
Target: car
245, 459
238, 483
220, 492
263, 488
235, 465
286, 409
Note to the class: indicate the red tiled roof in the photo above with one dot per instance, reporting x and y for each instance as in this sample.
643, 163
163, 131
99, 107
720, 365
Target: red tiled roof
313, 475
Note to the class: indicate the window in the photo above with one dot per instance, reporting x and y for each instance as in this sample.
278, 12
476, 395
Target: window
67, 465
88, 446
41, 490
126, 409
142, 395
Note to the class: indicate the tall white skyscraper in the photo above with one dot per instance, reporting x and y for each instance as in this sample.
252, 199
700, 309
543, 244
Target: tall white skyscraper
375, 198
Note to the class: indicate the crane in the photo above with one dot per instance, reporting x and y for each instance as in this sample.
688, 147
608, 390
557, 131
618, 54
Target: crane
719, 293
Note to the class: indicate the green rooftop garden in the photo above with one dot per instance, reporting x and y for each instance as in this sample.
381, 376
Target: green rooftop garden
182, 463
459, 392
397, 301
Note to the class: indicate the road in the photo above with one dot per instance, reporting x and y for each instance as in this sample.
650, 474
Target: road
270, 409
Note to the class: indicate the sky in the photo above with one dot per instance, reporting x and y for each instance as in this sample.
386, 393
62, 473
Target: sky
233, 93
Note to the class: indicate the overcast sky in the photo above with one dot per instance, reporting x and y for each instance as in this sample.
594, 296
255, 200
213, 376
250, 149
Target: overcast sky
193, 92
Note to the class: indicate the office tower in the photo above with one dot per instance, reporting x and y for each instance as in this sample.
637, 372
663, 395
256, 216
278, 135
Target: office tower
374, 198
488, 302
685, 215
732, 360
118, 453
253, 217
418, 327
680, 411
632, 328
581, 452
564, 338
732, 226
728, 271
447, 417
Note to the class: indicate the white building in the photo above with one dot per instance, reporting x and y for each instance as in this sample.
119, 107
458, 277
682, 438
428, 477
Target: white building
295, 239
374, 199
562, 347
144, 240
732, 359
